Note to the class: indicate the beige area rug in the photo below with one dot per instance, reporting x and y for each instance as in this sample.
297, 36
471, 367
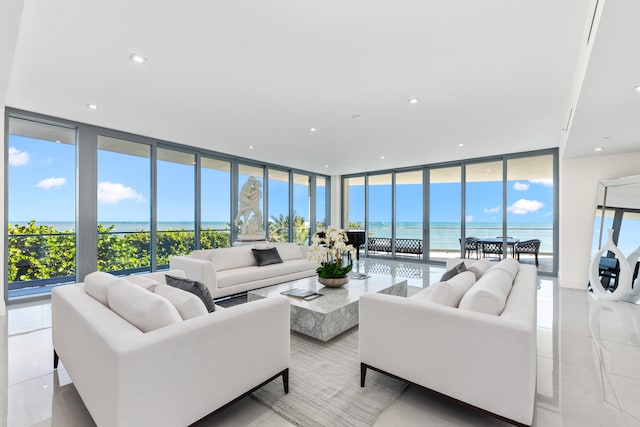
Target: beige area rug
324, 385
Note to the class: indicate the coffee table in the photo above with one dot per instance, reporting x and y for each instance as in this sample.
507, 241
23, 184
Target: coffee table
337, 310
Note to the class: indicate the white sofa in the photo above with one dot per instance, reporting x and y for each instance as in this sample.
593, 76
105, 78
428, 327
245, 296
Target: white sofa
228, 271
485, 360
173, 375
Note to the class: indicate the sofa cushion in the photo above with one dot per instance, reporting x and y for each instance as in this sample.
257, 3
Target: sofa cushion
143, 309
236, 257
145, 282
187, 304
203, 254
97, 284
450, 292
480, 267
266, 256
459, 268
489, 294
289, 251
193, 286
251, 274
509, 265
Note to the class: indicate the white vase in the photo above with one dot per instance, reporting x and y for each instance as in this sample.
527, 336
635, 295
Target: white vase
632, 259
624, 276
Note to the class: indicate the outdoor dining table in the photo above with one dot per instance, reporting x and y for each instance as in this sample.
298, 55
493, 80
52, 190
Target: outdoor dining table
511, 243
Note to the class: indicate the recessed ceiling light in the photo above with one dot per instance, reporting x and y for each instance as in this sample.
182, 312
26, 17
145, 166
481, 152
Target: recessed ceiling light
637, 89
326, 166
382, 157
598, 149
251, 147
413, 101
460, 144
137, 58
92, 106
312, 129
58, 141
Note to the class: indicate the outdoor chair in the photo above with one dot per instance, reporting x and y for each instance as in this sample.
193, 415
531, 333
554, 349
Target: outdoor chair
471, 244
491, 248
531, 247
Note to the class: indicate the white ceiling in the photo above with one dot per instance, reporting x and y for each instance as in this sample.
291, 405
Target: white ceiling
495, 75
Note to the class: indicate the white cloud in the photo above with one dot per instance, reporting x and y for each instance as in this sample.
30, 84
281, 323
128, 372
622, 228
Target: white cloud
524, 206
469, 218
521, 186
111, 193
492, 210
52, 182
17, 157
547, 182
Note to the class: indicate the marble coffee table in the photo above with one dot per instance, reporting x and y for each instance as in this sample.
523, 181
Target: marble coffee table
337, 310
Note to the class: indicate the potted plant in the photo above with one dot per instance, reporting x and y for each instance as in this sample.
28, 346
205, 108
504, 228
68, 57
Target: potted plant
328, 248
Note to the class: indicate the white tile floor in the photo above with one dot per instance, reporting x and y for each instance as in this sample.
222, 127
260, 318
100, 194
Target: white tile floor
588, 368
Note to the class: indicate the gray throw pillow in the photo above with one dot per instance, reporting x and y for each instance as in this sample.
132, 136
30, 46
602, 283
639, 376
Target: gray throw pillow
196, 288
453, 272
266, 256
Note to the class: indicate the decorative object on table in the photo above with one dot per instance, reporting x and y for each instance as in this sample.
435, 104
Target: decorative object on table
329, 251
624, 276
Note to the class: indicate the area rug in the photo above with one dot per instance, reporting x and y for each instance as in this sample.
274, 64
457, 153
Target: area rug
324, 385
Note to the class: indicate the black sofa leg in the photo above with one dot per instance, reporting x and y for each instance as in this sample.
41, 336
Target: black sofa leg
285, 380
55, 359
363, 374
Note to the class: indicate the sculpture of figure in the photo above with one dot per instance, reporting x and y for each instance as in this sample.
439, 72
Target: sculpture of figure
249, 209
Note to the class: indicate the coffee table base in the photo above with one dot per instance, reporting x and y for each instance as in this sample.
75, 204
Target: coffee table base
335, 312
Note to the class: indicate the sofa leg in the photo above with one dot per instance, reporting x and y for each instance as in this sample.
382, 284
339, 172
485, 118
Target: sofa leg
363, 374
55, 359
285, 380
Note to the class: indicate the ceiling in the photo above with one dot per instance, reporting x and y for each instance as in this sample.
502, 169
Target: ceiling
494, 75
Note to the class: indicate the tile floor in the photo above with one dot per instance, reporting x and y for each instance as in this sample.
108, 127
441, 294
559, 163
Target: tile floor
588, 367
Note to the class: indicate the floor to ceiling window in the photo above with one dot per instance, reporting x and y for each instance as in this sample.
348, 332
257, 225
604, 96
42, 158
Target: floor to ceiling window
278, 205
175, 204
483, 206
530, 207
380, 208
124, 205
215, 203
445, 211
474, 209
41, 237
301, 209
82, 198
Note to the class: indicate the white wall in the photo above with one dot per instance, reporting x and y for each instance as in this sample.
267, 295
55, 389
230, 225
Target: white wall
578, 189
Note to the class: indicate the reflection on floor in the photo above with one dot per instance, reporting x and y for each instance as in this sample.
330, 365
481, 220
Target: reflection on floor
588, 367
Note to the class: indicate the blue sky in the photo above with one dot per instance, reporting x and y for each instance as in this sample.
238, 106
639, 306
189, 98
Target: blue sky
42, 173
528, 201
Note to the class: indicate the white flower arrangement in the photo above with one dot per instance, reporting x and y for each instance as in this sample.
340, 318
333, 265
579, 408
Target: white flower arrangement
329, 251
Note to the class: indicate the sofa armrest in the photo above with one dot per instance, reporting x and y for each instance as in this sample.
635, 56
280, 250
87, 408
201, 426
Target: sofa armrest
484, 360
197, 269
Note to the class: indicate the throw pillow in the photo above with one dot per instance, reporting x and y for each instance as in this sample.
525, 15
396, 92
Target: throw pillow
448, 293
480, 267
145, 282
453, 272
97, 284
143, 309
266, 256
195, 287
187, 304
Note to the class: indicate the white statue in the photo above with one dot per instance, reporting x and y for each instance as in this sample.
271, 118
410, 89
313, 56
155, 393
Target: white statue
249, 212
